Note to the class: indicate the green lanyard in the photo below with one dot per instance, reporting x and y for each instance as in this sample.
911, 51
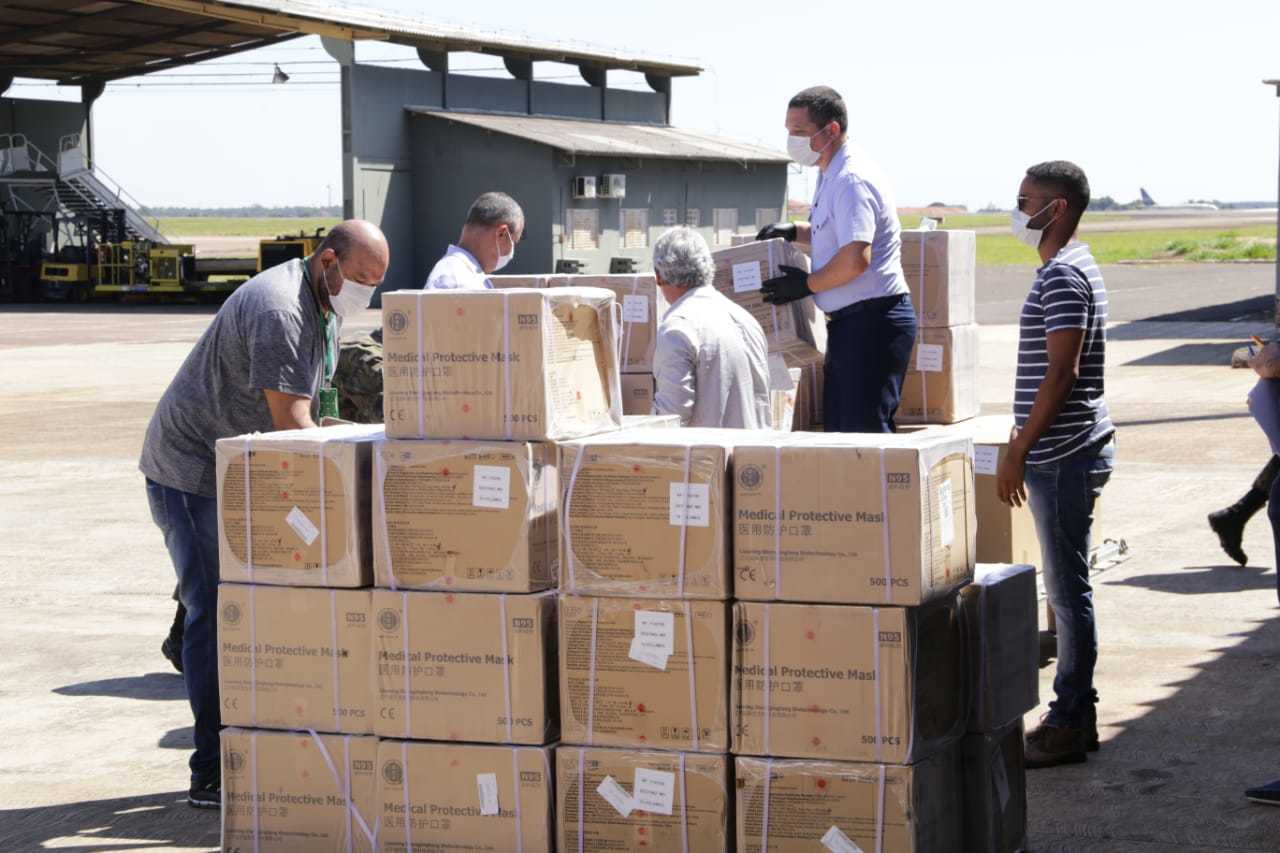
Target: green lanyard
328, 395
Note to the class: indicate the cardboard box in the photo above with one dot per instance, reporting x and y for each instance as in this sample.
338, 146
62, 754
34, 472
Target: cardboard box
465, 515
637, 394
295, 658
620, 687
646, 513
506, 282
1006, 534
514, 365
811, 323
642, 306
285, 791
310, 522
812, 365
671, 800
941, 385
1003, 659
847, 807
847, 683
940, 267
481, 667
995, 791
487, 799
867, 519
739, 273
650, 422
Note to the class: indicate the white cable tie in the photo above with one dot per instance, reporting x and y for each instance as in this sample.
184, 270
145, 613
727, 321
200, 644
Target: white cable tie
257, 809
248, 503
880, 813
253, 654
684, 811
591, 678
333, 653
875, 652
506, 660
344, 788
684, 522
509, 428
515, 785
423, 368
777, 519
884, 530
582, 783
768, 679
324, 527
693, 694
772, 269
380, 471
408, 698
404, 787
764, 819
567, 517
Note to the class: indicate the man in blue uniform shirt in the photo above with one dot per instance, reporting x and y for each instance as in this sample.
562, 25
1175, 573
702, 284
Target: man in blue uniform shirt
857, 278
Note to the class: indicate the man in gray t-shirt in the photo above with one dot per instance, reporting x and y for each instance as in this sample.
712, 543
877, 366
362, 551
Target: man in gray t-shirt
268, 354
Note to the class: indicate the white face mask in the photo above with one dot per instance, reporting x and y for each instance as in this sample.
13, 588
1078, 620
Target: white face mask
352, 299
1031, 236
503, 260
799, 149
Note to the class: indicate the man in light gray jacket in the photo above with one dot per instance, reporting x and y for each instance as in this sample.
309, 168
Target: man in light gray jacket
710, 363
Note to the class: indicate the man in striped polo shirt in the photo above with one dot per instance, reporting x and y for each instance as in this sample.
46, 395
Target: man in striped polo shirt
1063, 447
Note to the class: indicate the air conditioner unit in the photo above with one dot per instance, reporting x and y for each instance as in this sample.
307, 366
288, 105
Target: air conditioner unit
584, 187
613, 186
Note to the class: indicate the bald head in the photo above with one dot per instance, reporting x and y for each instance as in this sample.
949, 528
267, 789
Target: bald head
361, 248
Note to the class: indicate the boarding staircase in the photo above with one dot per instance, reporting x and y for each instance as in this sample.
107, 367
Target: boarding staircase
69, 186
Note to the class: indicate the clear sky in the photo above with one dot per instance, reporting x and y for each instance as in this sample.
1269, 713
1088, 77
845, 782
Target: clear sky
954, 99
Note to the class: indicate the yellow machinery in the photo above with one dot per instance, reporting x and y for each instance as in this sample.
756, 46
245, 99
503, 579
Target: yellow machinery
141, 267
286, 247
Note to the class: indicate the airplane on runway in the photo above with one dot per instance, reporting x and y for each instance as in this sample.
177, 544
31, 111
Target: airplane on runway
1149, 203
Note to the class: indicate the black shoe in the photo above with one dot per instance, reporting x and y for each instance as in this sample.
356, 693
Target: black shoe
1049, 746
206, 794
1091, 743
1229, 524
1268, 794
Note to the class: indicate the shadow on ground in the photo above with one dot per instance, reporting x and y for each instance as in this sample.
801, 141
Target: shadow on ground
150, 822
183, 739
1173, 777
1188, 355
156, 686
1205, 580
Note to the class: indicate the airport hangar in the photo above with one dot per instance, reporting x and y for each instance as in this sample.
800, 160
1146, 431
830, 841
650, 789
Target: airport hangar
600, 171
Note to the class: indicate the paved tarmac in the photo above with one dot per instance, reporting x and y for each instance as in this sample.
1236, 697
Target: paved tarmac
96, 729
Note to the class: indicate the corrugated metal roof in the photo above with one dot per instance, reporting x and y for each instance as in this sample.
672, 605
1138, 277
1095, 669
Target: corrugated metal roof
363, 22
612, 139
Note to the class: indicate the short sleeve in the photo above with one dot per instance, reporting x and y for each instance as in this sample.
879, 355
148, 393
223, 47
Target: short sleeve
279, 358
855, 214
1066, 297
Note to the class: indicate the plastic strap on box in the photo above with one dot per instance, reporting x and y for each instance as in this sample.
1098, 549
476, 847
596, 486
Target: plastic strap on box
324, 527
343, 784
248, 516
880, 813
423, 368
693, 694
684, 524
624, 357
875, 657
515, 777
333, 653
582, 783
684, 810
253, 654
408, 697
380, 474
777, 520
764, 811
404, 787
887, 543
591, 677
924, 239
506, 660
508, 424
257, 807
768, 679
769, 270
567, 520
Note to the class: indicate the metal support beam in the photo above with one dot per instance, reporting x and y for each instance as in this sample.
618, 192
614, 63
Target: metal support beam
436, 60
17, 35
187, 59
661, 84
594, 75
521, 69
342, 51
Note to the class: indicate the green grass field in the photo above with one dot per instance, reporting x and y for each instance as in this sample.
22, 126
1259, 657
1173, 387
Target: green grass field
229, 226
1189, 244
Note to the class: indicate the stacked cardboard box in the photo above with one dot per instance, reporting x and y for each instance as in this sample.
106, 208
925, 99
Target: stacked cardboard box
941, 384
1002, 681
645, 522
847, 714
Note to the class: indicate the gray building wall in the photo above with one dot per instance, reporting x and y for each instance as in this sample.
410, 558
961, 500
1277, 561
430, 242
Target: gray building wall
43, 122
454, 162
378, 161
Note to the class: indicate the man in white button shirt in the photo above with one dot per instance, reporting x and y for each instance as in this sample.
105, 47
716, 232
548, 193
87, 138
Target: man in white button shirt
710, 362
857, 274
495, 223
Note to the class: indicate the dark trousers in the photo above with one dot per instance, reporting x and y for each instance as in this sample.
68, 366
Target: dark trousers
190, 527
1273, 513
868, 351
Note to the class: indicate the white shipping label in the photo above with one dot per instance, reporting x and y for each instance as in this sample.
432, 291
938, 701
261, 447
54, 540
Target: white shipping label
616, 796
1000, 777
491, 487
647, 655
746, 277
837, 842
657, 630
487, 785
635, 309
779, 375
929, 358
654, 790
946, 516
690, 504
302, 525
985, 458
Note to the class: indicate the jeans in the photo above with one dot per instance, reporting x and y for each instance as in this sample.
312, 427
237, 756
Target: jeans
1273, 513
1062, 495
190, 527
868, 351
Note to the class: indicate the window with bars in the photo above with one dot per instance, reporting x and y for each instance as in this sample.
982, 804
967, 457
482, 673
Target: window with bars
693, 217
766, 216
584, 228
635, 228
725, 223
670, 217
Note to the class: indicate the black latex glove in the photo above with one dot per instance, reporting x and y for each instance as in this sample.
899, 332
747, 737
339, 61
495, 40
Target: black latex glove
785, 230
793, 284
